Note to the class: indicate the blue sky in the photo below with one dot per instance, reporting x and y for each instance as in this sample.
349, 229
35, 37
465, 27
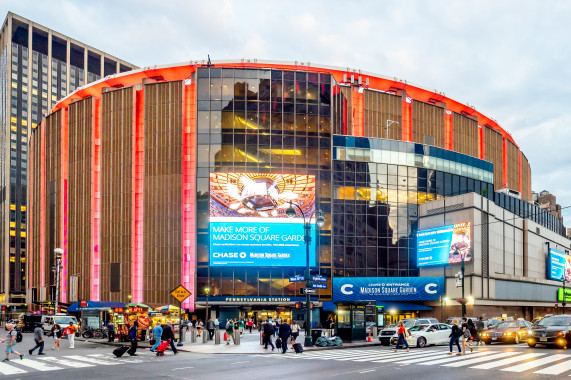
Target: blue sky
509, 59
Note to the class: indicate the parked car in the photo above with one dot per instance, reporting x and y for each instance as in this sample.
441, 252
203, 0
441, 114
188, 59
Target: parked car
30, 322
551, 331
61, 319
386, 335
507, 332
426, 335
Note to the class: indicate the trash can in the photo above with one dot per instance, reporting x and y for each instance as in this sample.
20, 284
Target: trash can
315, 333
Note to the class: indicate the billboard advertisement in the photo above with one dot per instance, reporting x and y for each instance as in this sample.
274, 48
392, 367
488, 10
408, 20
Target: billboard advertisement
248, 221
559, 265
436, 246
387, 288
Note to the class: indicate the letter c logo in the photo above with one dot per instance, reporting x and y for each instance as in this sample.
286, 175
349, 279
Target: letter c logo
429, 288
345, 287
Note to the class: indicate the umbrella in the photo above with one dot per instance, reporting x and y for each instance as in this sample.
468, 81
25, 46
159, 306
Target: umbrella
168, 309
138, 305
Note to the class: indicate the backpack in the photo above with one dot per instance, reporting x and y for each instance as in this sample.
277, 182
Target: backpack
19, 337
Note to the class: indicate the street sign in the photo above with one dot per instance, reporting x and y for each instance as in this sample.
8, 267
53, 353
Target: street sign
319, 278
318, 286
308, 291
297, 278
180, 293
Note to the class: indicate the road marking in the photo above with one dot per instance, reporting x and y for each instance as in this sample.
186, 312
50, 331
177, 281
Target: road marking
91, 360
331, 355
7, 369
535, 363
40, 366
367, 358
247, 361
507, 361
69, 363
438, 356
397, 357
174, 369
367, 371
556, 369
463, 360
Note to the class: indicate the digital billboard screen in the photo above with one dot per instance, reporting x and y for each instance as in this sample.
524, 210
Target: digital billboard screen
559, 265
248, 221
436, 246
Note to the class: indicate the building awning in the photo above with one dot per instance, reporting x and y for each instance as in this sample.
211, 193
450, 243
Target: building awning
403, 306
329, 306
94, 306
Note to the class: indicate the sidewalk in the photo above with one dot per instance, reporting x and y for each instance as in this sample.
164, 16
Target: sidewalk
249, 344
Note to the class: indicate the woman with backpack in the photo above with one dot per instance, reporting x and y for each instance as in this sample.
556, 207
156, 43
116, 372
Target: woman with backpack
402, 337
455, 336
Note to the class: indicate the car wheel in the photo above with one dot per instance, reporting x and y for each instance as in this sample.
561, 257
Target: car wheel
516, 339
531, 344
421, 342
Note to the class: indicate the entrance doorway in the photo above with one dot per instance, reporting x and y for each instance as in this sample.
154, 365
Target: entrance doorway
393, 318
259, 316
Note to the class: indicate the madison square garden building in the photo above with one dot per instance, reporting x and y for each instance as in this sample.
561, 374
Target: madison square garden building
182, 174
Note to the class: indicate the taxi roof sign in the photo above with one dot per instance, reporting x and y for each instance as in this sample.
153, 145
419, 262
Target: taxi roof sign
180, 293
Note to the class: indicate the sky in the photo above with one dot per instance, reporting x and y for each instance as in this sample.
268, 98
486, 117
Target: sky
508, 59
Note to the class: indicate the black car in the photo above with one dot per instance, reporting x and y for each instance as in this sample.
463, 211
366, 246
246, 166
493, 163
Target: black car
31, 321
551, 331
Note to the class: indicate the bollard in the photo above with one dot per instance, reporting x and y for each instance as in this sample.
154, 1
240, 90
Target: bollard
193, 336
261, 338
237, 337
375, 332
216, 336
204, 336
182, 335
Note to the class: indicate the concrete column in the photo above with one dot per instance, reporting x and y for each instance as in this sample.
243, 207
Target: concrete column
84, 65
50, 104
68, 69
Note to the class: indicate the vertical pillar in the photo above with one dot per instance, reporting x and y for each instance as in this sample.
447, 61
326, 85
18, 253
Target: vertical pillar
43, 204
68, 63
188, 261
30, 218
519, 171
137, 199
481, 150
63, 205
95, 201
357, 105
406, 118
505, 164
448, 130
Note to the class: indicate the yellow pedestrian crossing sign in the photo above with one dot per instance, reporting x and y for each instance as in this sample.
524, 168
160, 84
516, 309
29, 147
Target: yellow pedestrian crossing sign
180, 293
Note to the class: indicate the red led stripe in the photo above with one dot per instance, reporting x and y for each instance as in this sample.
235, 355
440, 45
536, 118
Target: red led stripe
43, 205
63, 205
406, 119
95, 201
448, 131
357, 104
138, 177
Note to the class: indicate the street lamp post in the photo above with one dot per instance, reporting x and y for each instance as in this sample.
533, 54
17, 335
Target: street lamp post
462, 269
320, 221
58, 252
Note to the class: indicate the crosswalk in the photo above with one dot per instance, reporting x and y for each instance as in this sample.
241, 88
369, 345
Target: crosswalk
508, 361
49, 363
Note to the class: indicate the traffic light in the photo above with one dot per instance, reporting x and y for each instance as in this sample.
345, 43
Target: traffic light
299, 305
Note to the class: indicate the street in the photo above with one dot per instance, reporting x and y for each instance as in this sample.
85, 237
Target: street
93, 360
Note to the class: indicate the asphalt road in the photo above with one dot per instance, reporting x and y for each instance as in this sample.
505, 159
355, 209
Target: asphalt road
95, 361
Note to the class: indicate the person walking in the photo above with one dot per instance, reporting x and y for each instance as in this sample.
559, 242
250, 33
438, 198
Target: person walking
71, 334
473, 332
466, 335
56, 332
210, 326
157, 334
294, 332
111, 331
230, 332
168, 333
454, 336
241, 324
11, 342
199, 326
39, 339
267, 332
402, 337
250, 324
284, 334
133, 338
480, 327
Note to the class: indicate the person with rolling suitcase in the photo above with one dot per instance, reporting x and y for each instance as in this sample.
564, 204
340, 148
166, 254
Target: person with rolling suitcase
284, 333
120, 351
133, 337
163, 347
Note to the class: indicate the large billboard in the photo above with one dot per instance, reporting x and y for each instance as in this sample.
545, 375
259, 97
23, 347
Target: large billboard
248, 221
436, 246
387, 288
559, 266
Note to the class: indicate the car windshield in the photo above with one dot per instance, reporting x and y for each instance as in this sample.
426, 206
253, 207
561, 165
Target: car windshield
507, 325
555, 321
65, 320
409, 323
418, 328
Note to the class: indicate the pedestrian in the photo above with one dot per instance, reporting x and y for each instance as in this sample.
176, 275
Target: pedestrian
71, 334
186, 324
168, 333
294, 332
473, 332
455, 336
39, 339
56, 332
402, 337
11, 342
199, 326
479, 329
210, 327
111, 331
284, 333
133, 338
276, 327
230, 332
267, 332
241, 326
250, 324
157, 333
466, 335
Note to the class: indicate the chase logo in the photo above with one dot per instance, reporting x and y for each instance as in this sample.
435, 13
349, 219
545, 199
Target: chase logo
430, 288
347, 289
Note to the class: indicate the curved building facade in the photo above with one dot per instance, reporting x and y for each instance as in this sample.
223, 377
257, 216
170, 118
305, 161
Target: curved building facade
146, 179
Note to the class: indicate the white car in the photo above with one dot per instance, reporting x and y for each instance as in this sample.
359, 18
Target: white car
426, 335
388, 335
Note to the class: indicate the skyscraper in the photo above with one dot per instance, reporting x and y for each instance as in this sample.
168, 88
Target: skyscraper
38, 66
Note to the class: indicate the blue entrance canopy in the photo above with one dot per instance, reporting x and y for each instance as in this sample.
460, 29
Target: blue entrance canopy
95, 305
403, 306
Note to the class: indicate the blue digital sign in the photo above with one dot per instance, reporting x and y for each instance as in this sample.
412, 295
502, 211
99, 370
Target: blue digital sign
387, 288
259, 243
559, 265
436, 246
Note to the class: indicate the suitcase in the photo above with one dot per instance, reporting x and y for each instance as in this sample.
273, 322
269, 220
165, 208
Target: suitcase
120, 351
298, 348
163, 347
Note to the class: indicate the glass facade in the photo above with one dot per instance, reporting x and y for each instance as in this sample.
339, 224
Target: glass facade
262, 121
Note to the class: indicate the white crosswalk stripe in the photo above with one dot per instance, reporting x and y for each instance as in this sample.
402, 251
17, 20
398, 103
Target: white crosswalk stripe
511, 361
68, 363
91, 360
7, 369
40, 366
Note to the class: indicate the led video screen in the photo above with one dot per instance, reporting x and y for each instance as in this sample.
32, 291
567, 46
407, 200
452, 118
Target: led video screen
559, 266
436, 246
248, 221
